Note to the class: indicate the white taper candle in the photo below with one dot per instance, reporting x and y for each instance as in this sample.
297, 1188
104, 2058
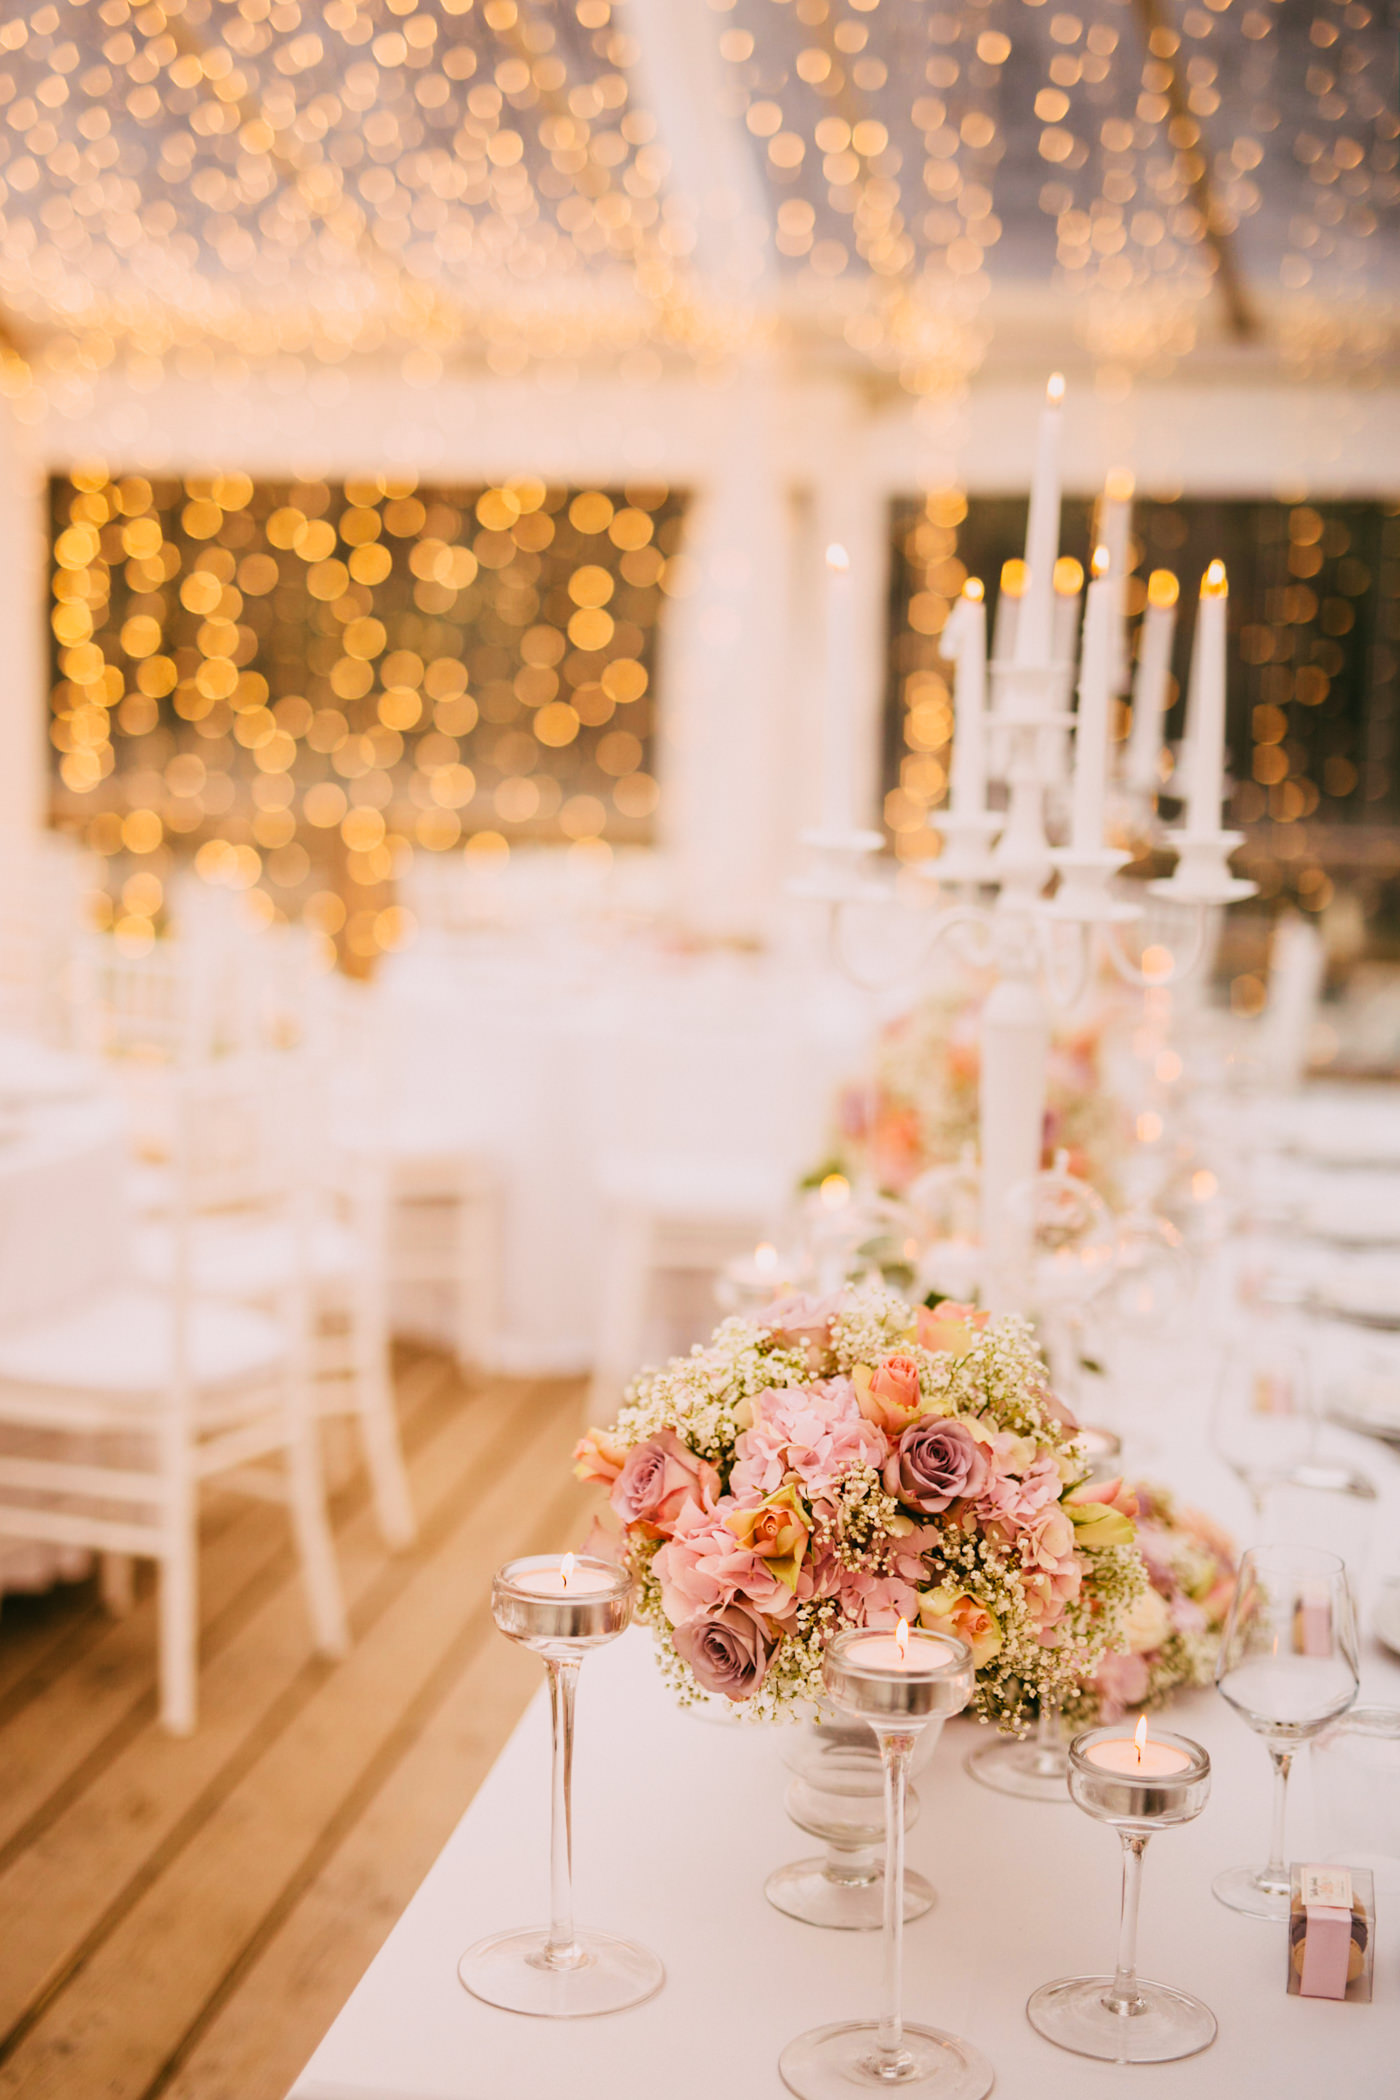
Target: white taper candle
1035, 618
1091, 720
1141, 765
1206, 710
969, 775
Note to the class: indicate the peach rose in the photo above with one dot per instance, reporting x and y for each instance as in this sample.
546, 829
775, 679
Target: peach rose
890, 1395
599, 1455
949, 1327
947, 1610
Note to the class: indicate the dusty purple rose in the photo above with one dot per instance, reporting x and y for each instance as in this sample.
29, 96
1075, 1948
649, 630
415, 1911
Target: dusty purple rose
727, 1651
936, 1462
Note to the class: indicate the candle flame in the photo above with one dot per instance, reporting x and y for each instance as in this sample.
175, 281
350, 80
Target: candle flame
1140, 1737
765, 1256
1100, 561
1055, 389
901, 1638
1014, 577
566, 1569
974, 589
834, 1191
1119, 486
1067, 577
1162, 588
837, 558
1213, 584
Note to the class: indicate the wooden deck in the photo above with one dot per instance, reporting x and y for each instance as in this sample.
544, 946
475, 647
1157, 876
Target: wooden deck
184, 1919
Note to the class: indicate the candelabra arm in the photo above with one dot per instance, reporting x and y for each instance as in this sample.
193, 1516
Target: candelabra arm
1184, 964
957, 919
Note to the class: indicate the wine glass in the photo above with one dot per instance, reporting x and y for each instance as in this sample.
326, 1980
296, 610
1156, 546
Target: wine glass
1260, 1425
1288, 1666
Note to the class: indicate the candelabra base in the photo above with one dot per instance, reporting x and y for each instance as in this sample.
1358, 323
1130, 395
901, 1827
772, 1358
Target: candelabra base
1202, 873
513, 1970
1153, 2024
831, 2063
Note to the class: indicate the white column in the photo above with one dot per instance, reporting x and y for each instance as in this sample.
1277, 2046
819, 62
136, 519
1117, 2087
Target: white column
1011, 1116
23, 610
852, 511
719, 750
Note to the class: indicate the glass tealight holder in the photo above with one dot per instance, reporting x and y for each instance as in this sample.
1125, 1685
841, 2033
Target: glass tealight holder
837, 1795
561, 1608
1137, 1787
1033, 1767
900, 1685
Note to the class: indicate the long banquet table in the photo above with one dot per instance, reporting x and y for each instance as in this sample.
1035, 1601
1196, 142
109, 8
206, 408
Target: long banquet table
678, 1822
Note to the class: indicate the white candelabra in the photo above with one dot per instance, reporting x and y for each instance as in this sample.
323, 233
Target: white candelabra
994, 875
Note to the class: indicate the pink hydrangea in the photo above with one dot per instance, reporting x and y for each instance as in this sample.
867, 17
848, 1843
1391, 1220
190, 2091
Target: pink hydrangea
816, 1433
1015, 1502
703, 1568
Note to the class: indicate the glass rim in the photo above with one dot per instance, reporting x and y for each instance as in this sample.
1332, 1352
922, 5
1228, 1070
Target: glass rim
955, 1665
1114, 1731
506, 1578
1378, 1721
1318, 1558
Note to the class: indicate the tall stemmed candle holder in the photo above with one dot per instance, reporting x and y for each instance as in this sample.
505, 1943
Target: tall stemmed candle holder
1137, 1787
901, 1684
1039, 946
561, 1608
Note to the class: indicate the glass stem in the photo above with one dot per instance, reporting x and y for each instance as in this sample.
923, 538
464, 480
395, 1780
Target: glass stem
1123, 1996
1275, 1875
1049, 1745
891, 2057
561, 1948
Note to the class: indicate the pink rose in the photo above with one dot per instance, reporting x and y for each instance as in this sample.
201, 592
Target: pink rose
950, 1327
937, 1462
800, 1321
875, 1600
727, 1651
815, 1434
890, 1395
1112, 1494
659, 1479
599, 1455
1048, 1596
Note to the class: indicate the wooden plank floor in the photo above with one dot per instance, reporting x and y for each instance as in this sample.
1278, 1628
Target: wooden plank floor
184, 1919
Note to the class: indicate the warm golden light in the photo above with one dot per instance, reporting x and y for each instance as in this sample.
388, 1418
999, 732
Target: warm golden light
974, 589
1015, 577
1162, 588
1213, 583
1119, 486
566, 1569
1140, 1737
1100, 561
1068, 577
901, 1639
835, 1190
1055, 389
837, 559
765, 1257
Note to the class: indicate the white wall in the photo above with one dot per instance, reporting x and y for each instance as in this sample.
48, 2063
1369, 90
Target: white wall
779, 463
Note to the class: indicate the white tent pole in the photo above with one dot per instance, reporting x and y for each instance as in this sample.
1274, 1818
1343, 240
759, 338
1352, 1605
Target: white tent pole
23, 607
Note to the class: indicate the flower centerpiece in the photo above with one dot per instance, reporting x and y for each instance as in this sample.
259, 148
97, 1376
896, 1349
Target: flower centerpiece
855, 1460
1169, 1636
920, 1110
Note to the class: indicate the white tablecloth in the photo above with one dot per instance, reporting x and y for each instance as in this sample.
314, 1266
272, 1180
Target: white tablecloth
678, 1823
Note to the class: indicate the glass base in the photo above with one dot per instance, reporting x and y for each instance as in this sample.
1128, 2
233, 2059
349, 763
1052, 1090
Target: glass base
1245, 1889
809, 1891
831, 2063
1163, 2025
510, 1970
1026, 1769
